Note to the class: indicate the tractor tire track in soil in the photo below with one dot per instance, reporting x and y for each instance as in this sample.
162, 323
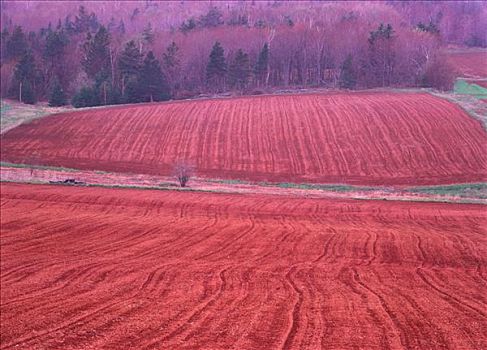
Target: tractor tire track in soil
121, 268
363, 138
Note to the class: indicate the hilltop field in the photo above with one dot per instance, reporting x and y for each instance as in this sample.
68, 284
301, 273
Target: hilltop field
353, 138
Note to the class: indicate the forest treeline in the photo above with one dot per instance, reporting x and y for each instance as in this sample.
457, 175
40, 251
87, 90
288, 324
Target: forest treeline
83, 60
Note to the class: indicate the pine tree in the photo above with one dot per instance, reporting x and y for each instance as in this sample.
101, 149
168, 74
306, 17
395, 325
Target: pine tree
3, 41
86, 97
381, 55
129, 63
85, 22
153, 84
216, 69
170, 58
96, 61
212, 19
54, 52
16, 45
28, 94
57, 96
262, 64
171, 63
239, 72
24, 78
348, 77
121, 27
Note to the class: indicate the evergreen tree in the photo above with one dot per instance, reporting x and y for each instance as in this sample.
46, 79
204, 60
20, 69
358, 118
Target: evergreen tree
24, 78
57, 96
121, 27
28, 94
430, 28
381, 58
153, 84
212, 19
56, 42
170, 58
54, 53
262, 64
129, 63
86, 97
69, 25
96, 60
348, 77
85, 22
239, 72
4, 40
188, 26
216, 69
171, 63
16, 45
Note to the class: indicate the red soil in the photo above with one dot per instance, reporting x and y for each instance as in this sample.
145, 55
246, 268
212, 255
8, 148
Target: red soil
117, 269
360, 138
482, 83
471, 64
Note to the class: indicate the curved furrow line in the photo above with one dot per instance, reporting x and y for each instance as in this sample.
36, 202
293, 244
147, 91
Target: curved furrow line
295, 315
361, 138
64, 325
223, 246
195, 315
397, 326
68, 277
447, 296
374, 249
430, 333
326, 246
421, 250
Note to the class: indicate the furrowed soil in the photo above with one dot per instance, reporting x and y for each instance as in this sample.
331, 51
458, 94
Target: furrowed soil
91, 268
469, 63
354, 138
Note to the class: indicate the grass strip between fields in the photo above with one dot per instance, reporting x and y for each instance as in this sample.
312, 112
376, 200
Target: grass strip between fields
458, 193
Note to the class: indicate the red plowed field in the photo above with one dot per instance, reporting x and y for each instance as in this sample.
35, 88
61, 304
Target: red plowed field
90, 268
361, 138
470, 64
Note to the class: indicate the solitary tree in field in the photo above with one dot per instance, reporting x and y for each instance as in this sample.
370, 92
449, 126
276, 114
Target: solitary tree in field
183, 172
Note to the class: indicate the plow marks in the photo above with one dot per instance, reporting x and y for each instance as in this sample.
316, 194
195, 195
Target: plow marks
355, 138
98, 268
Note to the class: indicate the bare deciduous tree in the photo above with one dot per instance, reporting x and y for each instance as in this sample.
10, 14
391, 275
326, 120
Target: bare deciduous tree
183, 172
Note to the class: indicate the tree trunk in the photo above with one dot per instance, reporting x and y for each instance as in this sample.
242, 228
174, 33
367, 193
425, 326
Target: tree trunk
20, 92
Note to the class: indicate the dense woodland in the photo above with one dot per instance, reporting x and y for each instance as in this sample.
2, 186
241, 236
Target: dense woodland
127, 52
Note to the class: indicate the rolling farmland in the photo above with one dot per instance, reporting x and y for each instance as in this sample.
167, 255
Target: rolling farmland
102, 268
469, 63
359, 138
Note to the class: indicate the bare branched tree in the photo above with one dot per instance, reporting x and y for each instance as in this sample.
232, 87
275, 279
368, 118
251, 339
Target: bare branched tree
183, 172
